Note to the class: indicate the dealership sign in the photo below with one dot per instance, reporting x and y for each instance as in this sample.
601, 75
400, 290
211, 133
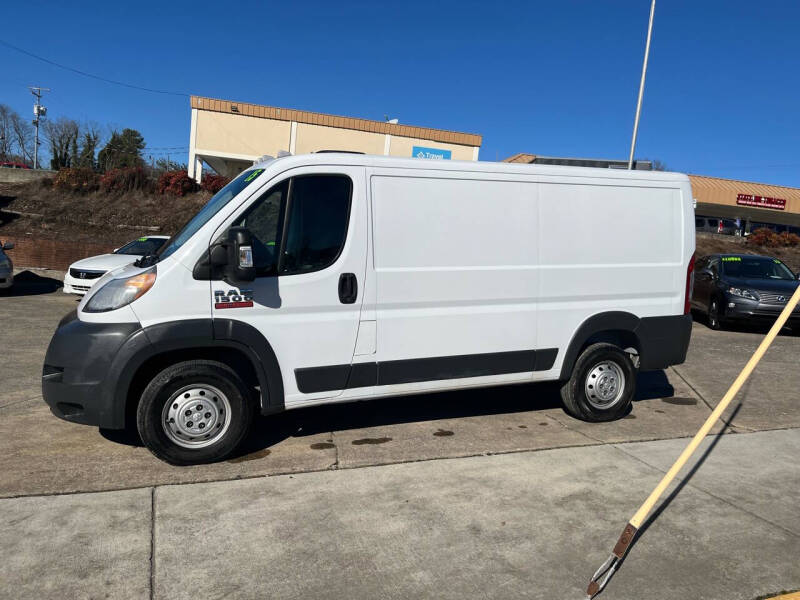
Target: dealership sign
761, 201
436, 153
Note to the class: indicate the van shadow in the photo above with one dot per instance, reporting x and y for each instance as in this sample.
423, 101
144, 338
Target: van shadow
28, 283
270, 430
267, 431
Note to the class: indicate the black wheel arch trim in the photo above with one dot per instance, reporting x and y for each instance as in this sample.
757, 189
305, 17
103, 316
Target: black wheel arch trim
660, 341
150, 342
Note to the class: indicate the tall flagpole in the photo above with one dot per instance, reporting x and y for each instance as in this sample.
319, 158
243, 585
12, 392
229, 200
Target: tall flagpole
641, 85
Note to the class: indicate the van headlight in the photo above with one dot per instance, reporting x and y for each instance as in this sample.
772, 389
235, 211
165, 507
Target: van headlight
117, 293
743, 293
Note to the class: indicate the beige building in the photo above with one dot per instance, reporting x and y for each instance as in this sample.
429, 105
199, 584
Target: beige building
229, 136
750, 202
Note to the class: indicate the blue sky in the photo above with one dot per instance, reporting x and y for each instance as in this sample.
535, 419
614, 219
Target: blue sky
551, 78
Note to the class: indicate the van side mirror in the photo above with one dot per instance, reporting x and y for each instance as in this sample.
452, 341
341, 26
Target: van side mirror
240, 266
8, 246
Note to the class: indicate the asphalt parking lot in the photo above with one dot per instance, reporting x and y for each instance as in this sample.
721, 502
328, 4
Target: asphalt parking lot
405, 497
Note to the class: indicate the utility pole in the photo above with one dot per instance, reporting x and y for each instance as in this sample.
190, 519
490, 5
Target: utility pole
39, 112
641, 85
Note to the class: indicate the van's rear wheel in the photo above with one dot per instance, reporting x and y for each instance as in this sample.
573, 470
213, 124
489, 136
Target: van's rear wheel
194, 412
602, 384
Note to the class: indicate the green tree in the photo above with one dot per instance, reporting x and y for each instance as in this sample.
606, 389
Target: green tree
124, 149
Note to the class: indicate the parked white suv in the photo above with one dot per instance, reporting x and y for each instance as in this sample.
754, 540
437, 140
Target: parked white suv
83, 274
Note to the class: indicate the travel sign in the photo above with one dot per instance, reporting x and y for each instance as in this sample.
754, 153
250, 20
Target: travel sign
435, 153
761, 201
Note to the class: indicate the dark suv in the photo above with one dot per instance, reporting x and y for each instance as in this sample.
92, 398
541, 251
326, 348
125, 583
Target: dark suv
745, 287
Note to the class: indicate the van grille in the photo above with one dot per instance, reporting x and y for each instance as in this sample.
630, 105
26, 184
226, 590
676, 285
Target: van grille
83, 274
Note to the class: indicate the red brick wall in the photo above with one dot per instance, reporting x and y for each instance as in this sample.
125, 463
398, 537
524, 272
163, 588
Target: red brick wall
50, 254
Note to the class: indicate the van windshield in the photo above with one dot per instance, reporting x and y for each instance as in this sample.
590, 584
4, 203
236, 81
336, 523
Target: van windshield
212, 207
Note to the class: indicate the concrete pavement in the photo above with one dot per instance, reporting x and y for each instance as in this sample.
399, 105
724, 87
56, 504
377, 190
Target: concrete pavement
492, 493
520, 525
40, 454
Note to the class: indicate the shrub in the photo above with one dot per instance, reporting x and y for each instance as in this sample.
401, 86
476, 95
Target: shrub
214, 183
125, 179
788, 239
176, 183
766, 237
762, 236
80, 180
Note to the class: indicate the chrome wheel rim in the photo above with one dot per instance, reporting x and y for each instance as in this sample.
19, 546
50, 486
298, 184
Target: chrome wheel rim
604, 385
196, 416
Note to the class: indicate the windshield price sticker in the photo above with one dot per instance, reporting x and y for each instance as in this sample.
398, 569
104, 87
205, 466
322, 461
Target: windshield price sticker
731, 259
253, 175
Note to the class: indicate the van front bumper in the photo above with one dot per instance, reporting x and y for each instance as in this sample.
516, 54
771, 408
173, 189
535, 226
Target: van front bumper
78, 378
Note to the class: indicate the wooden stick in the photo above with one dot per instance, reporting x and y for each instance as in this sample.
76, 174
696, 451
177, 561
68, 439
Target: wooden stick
644, 510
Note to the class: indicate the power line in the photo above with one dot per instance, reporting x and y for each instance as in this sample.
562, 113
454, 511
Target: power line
85, 74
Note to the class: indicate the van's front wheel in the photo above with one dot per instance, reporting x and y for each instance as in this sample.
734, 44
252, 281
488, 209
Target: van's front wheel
602, 385
194, 412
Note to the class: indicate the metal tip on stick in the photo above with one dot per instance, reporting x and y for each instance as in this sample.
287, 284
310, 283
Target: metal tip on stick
605, 571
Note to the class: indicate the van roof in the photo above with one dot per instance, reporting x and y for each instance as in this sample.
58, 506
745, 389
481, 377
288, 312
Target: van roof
368, 160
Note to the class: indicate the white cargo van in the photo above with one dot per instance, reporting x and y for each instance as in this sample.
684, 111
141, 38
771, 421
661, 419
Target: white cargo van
337, 277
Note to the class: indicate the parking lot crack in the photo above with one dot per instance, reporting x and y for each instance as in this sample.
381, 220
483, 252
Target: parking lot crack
568, 428
152, 543
712, 495
691, 387
336, 454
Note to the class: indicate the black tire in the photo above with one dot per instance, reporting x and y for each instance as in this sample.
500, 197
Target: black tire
714, 316
574, 392
204, 377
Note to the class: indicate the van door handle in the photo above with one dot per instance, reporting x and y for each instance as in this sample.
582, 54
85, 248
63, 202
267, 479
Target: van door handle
348, 288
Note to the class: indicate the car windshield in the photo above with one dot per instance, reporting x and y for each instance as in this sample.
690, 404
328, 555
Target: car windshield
141, 247
752, 267
212, 207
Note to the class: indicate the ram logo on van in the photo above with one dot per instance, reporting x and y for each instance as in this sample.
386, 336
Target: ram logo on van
233, 298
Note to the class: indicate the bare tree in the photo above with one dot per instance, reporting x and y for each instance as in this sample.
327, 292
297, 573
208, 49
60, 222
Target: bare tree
89, 142
25, 139
6, 138
16, 135
62, 134
658, 165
